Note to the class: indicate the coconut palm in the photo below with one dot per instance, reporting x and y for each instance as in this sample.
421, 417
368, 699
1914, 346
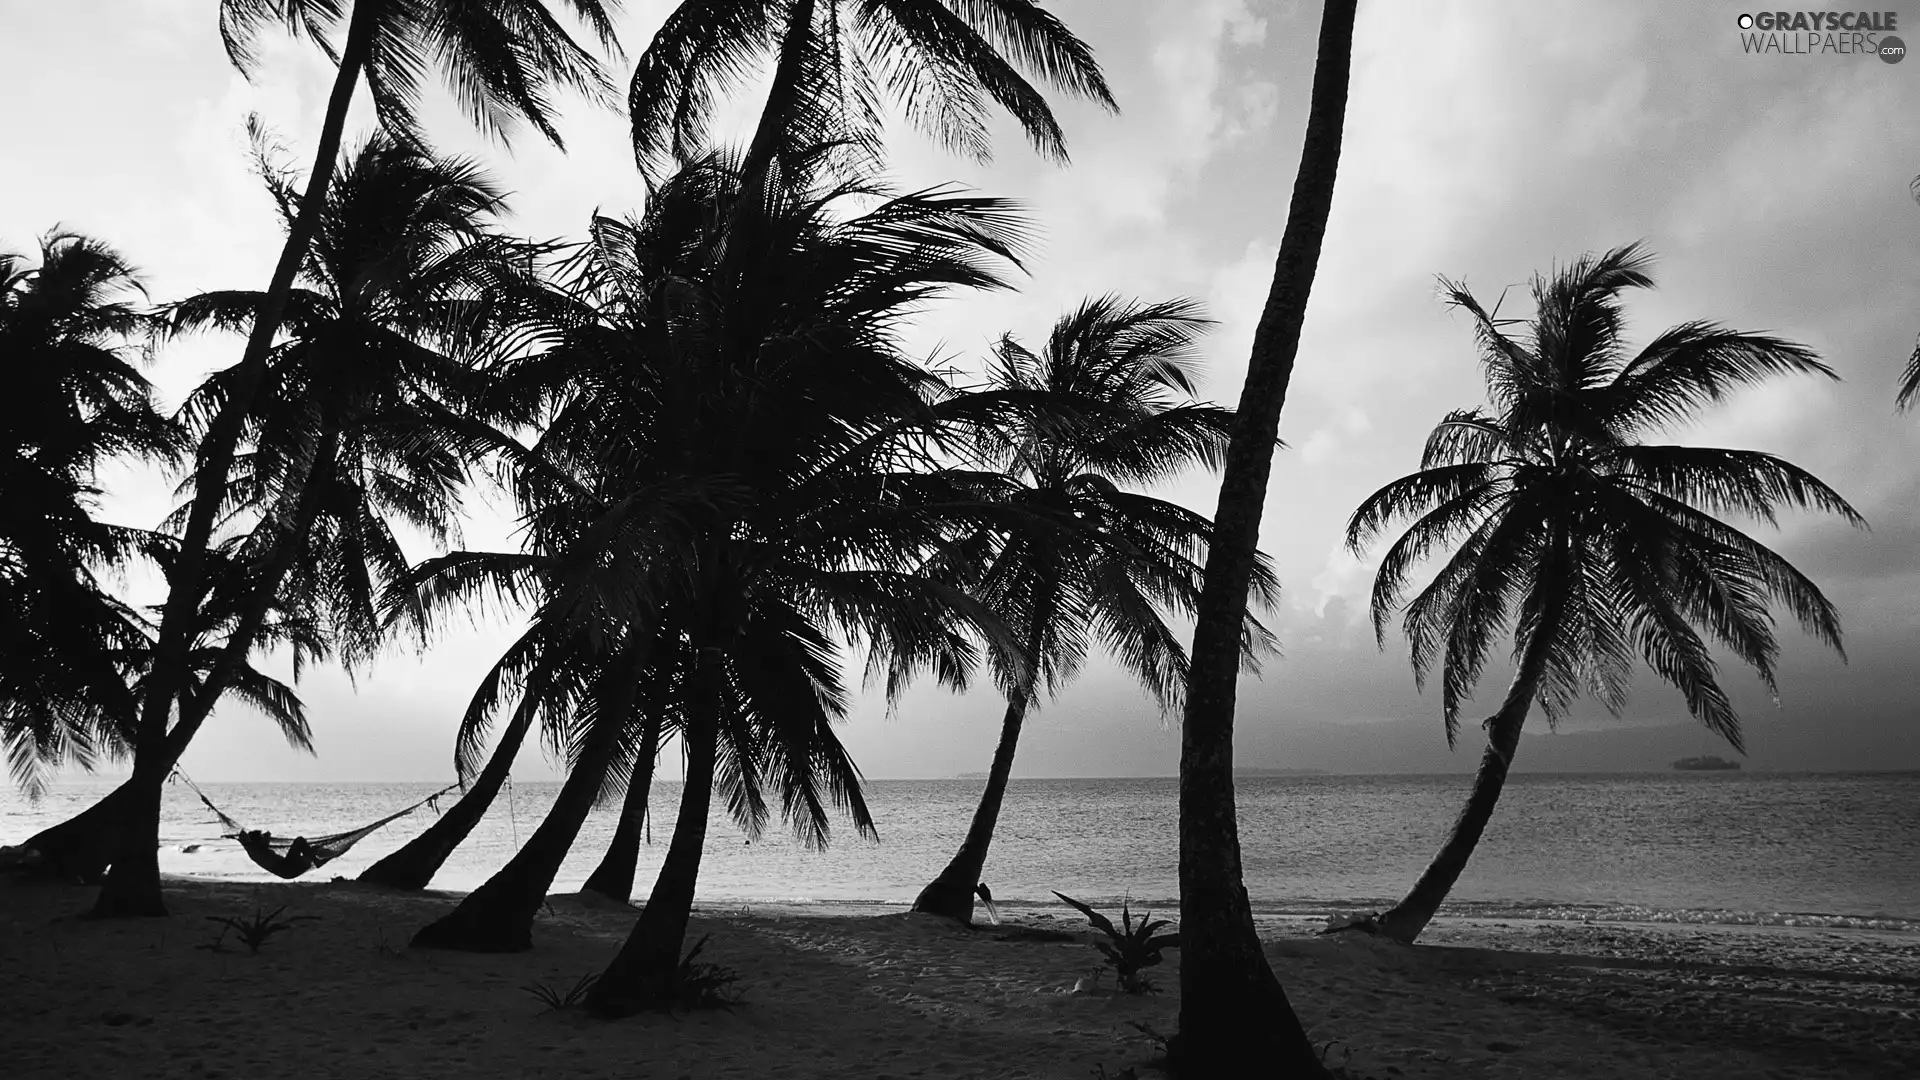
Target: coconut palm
1107, 406
1586, 542
345, 432
613, 877
68, 327
1232, 1009
502, 61
941, 61
680, 403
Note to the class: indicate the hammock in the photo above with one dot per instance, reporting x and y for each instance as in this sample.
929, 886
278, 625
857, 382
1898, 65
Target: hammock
291, 858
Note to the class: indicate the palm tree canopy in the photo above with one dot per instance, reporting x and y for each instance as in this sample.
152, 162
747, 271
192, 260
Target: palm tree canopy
501, 60
1105, 406
68, 326
1567, 528
398, 295
940, 61
728, 470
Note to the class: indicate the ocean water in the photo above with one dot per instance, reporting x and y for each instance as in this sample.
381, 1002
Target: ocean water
1783, 848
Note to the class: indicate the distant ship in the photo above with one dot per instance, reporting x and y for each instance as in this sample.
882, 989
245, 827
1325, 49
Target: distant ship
1704, 763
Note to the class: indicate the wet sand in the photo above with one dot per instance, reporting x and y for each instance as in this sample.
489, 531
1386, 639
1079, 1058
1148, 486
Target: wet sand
844, 993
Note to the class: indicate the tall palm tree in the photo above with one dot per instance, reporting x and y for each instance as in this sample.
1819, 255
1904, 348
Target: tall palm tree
829, 431
679, 398
345, 431
940, 60
1107, 405
502, 61
1232, 1008
68, 327
1601, 544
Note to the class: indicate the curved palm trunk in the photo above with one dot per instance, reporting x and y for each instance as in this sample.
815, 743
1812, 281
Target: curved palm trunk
498, 916
613, 878
133, 884
642, 974
415, 863
1412, 914
1235, 1019
951, 894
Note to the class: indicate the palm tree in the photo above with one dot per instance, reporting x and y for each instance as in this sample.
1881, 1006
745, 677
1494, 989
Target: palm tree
345, 430
1589, 543
940, 60
1107, 405
502, 62
67, 324
613, 877
677, 398
1232, 1009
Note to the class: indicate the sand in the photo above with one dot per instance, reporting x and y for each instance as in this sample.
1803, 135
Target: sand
845, 993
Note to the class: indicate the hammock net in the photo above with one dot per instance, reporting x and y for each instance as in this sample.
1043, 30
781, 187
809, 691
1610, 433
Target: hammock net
291, 857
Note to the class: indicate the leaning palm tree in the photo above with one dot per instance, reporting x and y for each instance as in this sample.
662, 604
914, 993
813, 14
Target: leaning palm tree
942, 61
802, 396
502, 60
1232, 1008
345, 434
1105, 406
679, 399
68, 324
1586, 542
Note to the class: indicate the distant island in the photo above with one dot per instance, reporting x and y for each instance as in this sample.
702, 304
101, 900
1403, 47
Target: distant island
1704, 763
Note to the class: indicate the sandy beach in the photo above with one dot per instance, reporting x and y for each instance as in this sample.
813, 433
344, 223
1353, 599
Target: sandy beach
841, 992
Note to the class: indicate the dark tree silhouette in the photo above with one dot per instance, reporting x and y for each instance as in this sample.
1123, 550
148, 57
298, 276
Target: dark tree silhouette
69, 324
1234, 1016
501, 61
1588, 543
1106, 405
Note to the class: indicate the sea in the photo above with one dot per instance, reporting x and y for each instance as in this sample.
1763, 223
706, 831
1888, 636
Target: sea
1799, 849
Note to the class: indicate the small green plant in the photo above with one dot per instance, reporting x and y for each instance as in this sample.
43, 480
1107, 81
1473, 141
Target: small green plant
555, 1000
1129, 948
701, 985
254, 931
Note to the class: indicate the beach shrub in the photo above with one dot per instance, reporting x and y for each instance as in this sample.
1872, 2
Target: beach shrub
254, 931
1129, 948
554, 999
701, 985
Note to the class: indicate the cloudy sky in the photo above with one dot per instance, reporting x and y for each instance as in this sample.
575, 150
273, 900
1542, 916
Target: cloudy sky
1483, 141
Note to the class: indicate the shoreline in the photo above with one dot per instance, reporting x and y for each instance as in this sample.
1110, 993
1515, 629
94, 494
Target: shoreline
854, 991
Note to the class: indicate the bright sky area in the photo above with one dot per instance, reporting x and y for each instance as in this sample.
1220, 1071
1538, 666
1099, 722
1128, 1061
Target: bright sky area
1484, 141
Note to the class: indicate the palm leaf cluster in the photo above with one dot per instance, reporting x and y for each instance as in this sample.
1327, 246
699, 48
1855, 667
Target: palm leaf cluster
1591, 546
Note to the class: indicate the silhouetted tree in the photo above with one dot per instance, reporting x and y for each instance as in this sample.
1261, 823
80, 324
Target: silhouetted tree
1234, 1016
501, 60
69, 324
1589, 544
1106, 405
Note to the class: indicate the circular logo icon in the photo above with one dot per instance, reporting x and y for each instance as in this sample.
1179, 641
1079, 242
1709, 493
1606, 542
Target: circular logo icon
1892, 50
1745, 21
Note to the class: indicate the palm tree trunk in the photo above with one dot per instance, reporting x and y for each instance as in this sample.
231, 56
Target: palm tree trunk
613, 878
133, 883
1235, 1019
951, 894
642, 974
1410, 916
498, 916
413, 866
